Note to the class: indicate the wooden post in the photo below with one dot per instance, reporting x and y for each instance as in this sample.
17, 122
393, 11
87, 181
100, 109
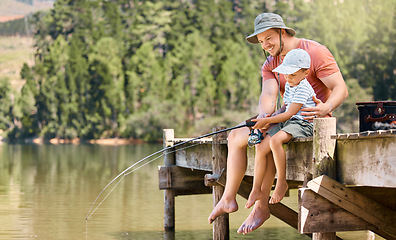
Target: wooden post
169, 194
324, 147
323, 158
221, 229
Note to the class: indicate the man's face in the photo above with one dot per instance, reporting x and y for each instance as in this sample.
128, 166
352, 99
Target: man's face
269, 41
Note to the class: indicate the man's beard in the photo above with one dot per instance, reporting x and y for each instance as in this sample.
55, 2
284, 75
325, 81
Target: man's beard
279, 50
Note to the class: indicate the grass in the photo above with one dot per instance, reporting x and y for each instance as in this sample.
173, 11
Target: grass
14, 52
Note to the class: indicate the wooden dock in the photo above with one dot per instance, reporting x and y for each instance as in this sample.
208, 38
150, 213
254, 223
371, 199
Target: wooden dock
346, 182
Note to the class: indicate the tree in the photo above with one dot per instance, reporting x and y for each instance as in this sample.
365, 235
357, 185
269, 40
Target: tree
106, 66
130, 68
7, 98
375, 65
239, 78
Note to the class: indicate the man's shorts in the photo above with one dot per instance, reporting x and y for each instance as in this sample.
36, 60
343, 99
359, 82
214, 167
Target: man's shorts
296, 127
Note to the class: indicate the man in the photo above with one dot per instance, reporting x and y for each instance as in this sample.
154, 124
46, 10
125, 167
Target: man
325, 78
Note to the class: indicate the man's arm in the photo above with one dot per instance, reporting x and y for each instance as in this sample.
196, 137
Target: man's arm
339, 92
267, 102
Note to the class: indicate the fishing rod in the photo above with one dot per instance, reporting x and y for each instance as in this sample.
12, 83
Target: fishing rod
253, 137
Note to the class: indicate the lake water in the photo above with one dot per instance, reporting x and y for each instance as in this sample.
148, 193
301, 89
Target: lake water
46, 192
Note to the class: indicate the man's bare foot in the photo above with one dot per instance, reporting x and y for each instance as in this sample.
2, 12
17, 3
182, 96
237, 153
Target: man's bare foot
257, 217
253, 197
280, 191
222, 207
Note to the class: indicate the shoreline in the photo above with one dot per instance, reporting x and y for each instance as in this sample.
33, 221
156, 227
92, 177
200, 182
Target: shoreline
76, 141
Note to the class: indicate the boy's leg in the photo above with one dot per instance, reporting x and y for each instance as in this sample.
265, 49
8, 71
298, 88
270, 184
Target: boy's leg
261, 212
260, 163
279, 154
236, 168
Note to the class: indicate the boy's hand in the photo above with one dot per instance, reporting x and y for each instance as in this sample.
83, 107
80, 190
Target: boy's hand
261, 123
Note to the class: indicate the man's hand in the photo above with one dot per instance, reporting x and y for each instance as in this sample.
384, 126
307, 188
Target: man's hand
320, 110
263, 115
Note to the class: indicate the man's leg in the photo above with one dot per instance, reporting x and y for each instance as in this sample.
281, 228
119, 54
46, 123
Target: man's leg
236, 168
261, 212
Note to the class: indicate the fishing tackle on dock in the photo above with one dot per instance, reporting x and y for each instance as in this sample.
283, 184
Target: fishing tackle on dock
146, 160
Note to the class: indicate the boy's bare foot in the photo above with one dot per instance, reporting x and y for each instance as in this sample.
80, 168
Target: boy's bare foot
257, 217
253, 197
222, 207
280, 191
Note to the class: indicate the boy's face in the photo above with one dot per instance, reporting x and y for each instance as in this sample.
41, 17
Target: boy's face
269, 41
295, 78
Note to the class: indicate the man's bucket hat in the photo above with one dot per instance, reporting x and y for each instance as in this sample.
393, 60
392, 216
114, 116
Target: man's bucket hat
266, 21
294, 60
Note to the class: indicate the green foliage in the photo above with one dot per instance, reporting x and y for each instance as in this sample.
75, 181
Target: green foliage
375, 66
347, 114
129, 68
18, 27
6, 104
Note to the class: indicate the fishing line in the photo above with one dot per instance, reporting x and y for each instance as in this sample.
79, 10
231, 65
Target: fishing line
91, 213
161, 156
122, 177
125, 172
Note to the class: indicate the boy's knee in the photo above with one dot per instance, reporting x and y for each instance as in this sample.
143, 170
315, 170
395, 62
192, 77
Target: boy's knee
274, 142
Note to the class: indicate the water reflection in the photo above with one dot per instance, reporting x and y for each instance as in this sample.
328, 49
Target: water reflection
47, 190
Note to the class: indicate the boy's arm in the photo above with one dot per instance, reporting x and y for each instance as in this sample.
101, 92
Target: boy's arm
279, 111
293, 109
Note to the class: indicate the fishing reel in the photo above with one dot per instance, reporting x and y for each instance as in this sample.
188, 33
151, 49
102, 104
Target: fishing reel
255, 138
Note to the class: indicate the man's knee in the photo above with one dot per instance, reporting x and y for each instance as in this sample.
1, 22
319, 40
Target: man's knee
237, 137
233, 136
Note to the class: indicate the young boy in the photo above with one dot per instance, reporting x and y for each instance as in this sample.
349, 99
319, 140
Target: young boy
298, 94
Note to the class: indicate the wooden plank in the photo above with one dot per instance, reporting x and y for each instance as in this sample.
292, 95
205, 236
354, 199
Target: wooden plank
376, 214
384, 196
199, 157
316, 214
297, 155
192, 191
367, 134
196, 156
184, 181
221, 230
367, 162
